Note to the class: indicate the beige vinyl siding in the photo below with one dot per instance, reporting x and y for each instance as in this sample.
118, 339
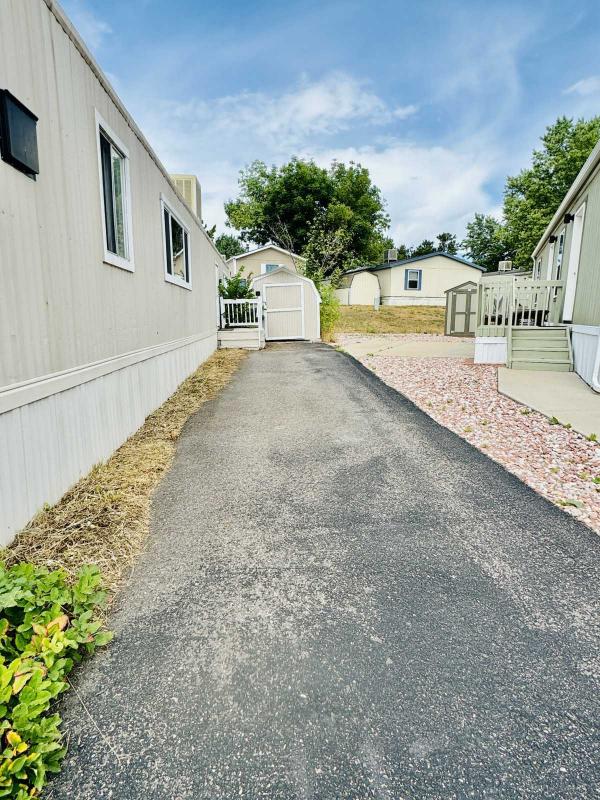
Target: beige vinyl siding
62, 306
587, 297
437, 275
253, 261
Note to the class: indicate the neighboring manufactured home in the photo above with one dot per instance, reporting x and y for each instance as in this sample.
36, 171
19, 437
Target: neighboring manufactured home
265, 259
549, 319
108, 296
417, 281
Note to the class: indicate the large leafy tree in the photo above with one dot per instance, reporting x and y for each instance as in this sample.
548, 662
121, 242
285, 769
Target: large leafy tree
485, 242
532, 197
278, 204
281, 204
229, 245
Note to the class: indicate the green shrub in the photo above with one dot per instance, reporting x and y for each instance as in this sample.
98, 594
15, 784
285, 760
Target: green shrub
46, 626
237, 287
330, 311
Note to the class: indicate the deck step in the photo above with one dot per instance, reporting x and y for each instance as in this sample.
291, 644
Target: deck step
541, 349
549, 356
546, 366
539, 333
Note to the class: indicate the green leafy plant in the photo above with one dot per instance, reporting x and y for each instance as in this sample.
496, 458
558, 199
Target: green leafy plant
574, 503
554, 421
330, 311
237, 287
46, 626
592, 437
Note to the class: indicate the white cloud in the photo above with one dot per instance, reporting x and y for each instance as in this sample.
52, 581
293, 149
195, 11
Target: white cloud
428, 189
585, 87
91, 28
322, 107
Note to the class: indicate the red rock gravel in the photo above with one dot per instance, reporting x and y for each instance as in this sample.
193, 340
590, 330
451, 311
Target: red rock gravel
557, 462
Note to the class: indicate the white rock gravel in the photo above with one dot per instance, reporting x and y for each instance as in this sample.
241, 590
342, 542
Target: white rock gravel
557, 462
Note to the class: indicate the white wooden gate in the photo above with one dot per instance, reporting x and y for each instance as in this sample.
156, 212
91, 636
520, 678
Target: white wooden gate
284, 311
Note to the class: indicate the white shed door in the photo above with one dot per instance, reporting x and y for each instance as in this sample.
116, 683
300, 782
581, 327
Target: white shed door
284, 310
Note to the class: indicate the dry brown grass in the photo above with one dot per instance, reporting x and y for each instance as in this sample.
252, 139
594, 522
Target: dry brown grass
104, 518
391, 319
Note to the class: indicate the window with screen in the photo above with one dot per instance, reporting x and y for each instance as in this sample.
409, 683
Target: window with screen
177, 248
115, 198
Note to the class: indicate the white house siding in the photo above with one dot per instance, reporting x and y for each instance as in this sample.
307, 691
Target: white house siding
438, 275
64, 309
47, 445
585, 340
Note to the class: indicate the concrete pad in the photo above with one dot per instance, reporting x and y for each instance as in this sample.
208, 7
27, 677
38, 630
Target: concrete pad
395, 345
556, 394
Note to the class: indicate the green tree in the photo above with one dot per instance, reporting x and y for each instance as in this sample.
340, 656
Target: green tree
532, 197
280, 204
446, 243
327, 249
485, 242
423, 249
229, 245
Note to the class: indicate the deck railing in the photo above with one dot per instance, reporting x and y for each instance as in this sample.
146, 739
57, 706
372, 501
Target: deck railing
246, 313
519, 302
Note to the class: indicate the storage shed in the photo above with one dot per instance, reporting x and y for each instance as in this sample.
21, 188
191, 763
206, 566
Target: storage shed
358, 288
291, 305
461, 309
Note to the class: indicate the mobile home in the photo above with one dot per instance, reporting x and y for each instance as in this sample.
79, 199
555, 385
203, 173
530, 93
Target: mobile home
108, 297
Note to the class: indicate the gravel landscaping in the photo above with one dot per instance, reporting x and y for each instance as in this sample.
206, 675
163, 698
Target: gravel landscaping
557, 462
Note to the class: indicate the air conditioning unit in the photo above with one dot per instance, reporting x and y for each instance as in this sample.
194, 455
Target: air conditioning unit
189, 188
391, 255
505, 266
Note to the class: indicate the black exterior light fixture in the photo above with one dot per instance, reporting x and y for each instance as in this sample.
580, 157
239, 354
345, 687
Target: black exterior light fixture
568, 218
18, 135
552, 238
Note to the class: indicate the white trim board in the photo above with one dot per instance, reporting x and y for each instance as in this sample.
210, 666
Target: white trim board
21, 394
572, 269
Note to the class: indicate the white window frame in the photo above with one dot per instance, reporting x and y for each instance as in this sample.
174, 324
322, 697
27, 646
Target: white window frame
165, 205
572, 269
538, 269
112, 258
560, 254
419, 276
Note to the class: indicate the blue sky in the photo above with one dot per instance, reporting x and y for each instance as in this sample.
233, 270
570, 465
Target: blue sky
441, 100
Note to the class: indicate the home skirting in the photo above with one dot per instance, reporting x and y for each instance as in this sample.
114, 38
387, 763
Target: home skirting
585, 341
54, 429
397, 300
490, 350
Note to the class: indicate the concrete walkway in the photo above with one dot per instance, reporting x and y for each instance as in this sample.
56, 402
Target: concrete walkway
342, 600
556, 394
413, 346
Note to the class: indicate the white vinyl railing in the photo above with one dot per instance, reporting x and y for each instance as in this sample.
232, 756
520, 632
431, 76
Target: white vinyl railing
245, 313
520, 302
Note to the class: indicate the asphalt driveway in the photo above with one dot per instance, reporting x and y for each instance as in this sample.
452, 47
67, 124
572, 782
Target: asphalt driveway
340, 600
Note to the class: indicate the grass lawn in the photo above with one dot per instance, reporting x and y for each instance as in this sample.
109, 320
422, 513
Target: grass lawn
391, 319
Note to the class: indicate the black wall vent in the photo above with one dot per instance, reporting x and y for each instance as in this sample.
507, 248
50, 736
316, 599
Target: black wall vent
18, 135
